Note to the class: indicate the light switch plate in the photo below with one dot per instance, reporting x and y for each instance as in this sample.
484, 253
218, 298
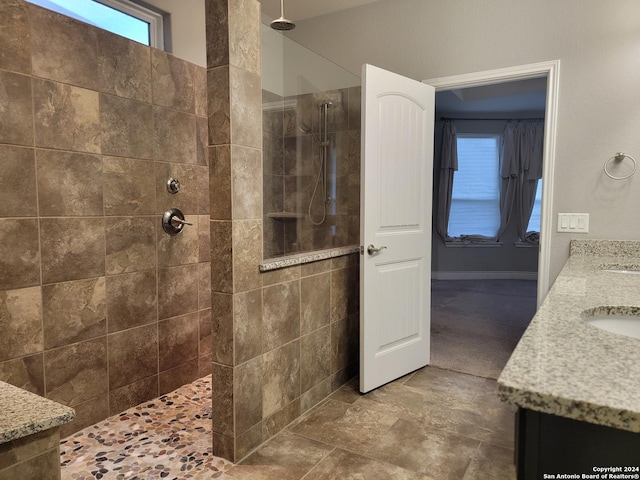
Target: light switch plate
573, 222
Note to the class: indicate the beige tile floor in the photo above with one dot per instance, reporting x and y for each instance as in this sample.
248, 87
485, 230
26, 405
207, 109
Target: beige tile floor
433, 424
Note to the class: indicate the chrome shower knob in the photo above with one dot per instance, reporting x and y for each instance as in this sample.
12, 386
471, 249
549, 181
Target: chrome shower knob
173, 221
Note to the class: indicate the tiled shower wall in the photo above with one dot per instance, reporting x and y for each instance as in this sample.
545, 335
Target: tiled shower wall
99, 308
285, 339
291, 163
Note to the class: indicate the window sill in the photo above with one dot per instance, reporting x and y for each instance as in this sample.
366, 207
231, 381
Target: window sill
526, 245
472, 244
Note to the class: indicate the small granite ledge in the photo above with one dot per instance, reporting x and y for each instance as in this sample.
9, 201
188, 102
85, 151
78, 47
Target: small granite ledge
299, 259
25, 413
566, 367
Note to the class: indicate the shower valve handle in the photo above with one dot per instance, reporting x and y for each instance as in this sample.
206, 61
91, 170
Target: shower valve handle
372, 249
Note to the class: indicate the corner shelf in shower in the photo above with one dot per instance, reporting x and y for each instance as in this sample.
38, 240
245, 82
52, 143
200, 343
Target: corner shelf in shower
285, 215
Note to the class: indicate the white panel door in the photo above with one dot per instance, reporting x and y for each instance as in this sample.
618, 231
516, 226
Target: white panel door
395, 290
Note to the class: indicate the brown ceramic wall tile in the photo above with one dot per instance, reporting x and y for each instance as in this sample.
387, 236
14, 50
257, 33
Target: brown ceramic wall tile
204, 235
315, 267
169, 380
25, 372
21, 318
72, 248
248, 394
63, 49
354, 106
87, 413
204, 285
281, 315
130, 244
315, 302
129, 187
246, 164
315, 395
124, 67
204, 333
223, 446
178, 340
69, 184
344, 343
175, 136
15, 37
279, 420
246, 108
248, 441
178, 249
202, 174
18, 180
344, 288
43, 467
281, 377
315, 358
131, 300
217, 27
76, 373
202, 141
187, 198
17, 109
127, 127
281, 275
133, 355
200, 91
247, 325
177, 290
20, 261
245, 38
74, 311
218, 105
204, 366
222, 328
221, 257
220, 182
247, 254
173, 81
66, 117
222, 400
133, 394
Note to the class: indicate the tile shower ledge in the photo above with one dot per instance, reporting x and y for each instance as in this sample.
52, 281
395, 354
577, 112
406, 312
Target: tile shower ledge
308, 257
25, 413
566, 367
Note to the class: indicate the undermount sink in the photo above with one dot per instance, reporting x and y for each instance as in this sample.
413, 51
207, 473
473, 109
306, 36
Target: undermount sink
623, 321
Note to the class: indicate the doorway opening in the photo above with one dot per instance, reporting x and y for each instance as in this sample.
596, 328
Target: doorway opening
485, 290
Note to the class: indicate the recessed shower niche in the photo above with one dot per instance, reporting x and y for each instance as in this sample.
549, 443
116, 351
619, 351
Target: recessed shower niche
311, 150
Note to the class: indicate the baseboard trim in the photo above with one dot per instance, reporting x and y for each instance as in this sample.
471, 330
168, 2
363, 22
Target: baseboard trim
481, 275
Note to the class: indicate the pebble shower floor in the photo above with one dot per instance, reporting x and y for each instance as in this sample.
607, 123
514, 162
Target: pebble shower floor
165, 438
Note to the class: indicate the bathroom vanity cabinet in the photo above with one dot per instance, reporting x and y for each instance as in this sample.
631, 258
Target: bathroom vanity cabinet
551, 445
576, 386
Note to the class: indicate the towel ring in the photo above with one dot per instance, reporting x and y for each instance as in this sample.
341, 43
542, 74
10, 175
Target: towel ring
618, 157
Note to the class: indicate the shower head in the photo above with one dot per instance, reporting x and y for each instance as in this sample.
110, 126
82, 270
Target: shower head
282, 23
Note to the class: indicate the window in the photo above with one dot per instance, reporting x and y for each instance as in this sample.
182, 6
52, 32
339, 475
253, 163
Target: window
125, 18
534, 221
475, 201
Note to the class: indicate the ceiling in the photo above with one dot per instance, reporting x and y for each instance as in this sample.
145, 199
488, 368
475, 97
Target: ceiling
296, 10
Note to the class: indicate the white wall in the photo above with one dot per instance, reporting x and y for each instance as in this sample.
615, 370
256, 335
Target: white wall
598, 43
187, 28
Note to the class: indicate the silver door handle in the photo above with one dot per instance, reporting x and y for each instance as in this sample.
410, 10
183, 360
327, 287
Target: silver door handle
371, 249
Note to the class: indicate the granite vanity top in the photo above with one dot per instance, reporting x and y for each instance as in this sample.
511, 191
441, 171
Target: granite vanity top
24, 413
566, 367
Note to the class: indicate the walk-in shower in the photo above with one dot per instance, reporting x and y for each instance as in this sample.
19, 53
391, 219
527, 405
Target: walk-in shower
311, 150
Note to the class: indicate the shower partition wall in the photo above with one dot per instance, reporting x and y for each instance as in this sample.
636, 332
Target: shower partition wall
311, 150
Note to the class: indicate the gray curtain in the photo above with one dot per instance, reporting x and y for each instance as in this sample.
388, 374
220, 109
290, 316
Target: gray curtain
448, 164
520, 169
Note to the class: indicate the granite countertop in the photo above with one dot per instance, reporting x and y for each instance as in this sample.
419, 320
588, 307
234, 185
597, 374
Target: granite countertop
566, 367
25, 413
